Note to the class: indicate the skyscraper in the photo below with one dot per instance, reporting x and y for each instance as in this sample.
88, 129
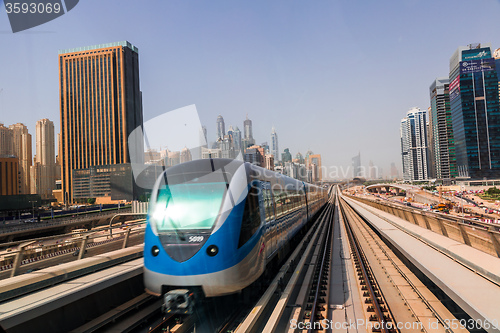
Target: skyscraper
300, 158
356, 166
475, 112
22, 149
394, 171
414, 148
221, 128
230, 130
6, 141
43, 172
274, 148
441, 144
315, 165
101, 104
237, 140
247, 129
372, 170
9, 180
286, 156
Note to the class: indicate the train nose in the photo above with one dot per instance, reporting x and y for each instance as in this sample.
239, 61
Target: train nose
183, 247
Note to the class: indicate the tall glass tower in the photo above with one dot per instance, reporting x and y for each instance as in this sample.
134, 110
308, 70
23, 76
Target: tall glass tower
247, 131
475, 112
221, 128
274, 145
442, 145
414, 148
101, 104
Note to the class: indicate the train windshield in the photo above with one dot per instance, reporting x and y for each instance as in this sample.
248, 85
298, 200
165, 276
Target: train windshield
188, 206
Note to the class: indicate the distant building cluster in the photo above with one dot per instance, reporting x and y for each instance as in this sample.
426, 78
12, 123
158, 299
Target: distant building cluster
231, 144
458, 136
20, 173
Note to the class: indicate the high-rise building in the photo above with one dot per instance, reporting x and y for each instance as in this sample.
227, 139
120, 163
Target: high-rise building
296, 170
414, 147
43, 171
314, 162
441, 143
265, 145
372, 170
394, 171
22, 149
221, 128
6, 141
274, 148
227, 146
45, 142
9, 180
247, 129
237, 140
475, 113
300, 158
255, 155
100, 104
286, 156
269, 158
356, 166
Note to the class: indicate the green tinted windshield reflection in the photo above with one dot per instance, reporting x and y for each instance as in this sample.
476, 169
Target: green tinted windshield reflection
188, 206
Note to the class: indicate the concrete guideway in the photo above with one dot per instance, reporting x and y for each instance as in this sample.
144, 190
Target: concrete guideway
28, 283
475, 294
413, 306
13, 255
480, 235
72, 302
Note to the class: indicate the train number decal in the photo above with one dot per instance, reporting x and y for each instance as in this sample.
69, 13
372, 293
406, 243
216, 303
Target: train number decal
196, 239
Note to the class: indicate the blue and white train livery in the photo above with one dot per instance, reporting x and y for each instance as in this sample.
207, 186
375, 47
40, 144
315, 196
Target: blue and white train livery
214, 224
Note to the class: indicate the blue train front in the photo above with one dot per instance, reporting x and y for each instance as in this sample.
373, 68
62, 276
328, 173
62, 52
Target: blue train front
214, 224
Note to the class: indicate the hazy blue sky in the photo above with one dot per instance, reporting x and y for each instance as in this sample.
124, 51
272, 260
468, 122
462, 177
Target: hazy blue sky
332, 76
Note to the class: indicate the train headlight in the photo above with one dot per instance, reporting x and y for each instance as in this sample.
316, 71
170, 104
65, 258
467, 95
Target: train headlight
212, 250
155, 251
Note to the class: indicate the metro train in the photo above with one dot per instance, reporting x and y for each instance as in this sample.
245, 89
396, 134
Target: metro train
214, 224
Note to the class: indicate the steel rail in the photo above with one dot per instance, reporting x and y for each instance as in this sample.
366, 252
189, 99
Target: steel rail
324, 256
364, 270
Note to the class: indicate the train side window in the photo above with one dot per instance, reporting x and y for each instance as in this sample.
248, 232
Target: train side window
268, 203
278, 200
251, 216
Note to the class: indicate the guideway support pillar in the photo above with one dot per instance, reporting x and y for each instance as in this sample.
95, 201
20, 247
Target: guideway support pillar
85, 240
19, 258
125, 239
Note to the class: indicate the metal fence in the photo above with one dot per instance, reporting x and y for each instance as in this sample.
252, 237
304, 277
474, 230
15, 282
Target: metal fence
15, 254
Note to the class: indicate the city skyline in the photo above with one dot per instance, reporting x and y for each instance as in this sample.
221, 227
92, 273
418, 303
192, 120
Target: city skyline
281, 68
